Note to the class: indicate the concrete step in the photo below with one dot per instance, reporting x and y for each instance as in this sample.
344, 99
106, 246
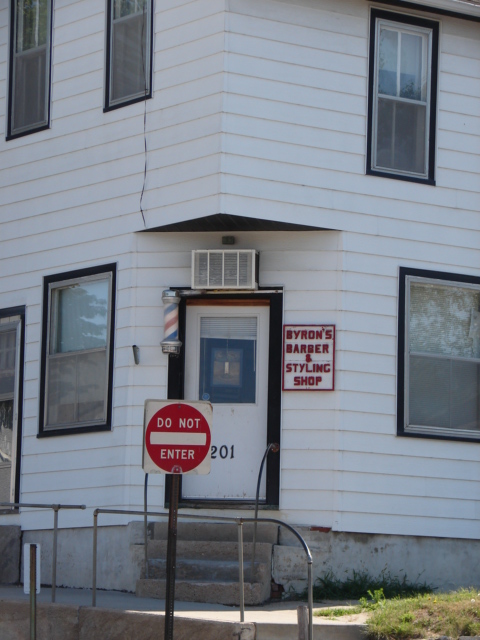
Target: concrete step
201, 550
207, 591
216, 532
208, 570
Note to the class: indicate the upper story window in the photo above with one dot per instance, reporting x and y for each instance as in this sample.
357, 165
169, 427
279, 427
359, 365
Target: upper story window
129, 52
402, 96
30, 51
78, 350
439, 355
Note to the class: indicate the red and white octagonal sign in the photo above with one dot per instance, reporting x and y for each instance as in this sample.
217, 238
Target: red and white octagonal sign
177, 437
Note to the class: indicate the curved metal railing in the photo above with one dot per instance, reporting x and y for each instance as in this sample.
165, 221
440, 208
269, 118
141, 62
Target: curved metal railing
240, 522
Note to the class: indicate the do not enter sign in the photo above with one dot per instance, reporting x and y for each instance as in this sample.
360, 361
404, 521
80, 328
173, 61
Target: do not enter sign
177, 437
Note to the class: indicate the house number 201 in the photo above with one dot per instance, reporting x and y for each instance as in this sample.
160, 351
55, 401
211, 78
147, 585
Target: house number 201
224, 452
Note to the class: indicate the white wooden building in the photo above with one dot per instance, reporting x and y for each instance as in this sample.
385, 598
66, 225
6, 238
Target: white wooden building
339, 139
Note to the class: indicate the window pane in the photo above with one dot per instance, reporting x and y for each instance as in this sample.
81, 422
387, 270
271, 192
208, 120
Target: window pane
465, 395
62, 381
387, 62
8, 341
411, 85
228, 359
444, 393
29, 105
122, 8
91, 381
6, 439
429, 392
444, 320
32, 24
80, 317
76, 388
443, 327
401, 136
30, 54
410, 137
129, 62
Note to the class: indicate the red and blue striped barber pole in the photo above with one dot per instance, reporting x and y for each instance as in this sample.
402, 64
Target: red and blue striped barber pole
171, 343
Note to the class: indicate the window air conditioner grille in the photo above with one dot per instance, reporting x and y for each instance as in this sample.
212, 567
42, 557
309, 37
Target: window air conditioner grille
228, 269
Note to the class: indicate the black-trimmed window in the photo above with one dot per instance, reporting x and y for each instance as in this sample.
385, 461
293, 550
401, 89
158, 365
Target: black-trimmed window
129, 52
12, 341
439, 355
77, 351
30, 53
402, 97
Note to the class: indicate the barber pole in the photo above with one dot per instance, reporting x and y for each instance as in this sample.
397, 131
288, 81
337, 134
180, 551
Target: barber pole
171, 343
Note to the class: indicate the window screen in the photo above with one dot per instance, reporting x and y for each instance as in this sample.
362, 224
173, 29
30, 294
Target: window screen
129, 50
443, 358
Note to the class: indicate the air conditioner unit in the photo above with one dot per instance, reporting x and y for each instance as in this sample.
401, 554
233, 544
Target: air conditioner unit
227, 269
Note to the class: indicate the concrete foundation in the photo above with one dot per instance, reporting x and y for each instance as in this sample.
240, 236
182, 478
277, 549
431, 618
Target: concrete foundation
444, 563
68, 622
10, 537
120, 556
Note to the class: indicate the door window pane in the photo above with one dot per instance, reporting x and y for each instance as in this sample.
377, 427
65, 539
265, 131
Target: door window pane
228, 351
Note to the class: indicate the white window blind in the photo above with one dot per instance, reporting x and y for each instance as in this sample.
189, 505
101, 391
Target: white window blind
241, 328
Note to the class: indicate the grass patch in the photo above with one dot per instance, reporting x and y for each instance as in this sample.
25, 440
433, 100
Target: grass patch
449, 614
421, 616
362, 585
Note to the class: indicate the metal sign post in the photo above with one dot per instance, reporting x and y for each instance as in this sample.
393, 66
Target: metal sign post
33, 591
176, 441
171, 556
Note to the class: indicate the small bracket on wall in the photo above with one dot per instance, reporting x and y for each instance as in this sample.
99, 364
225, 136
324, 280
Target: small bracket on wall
136, 353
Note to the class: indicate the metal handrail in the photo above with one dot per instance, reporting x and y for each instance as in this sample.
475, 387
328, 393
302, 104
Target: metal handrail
275, 447
239, 522
56, 508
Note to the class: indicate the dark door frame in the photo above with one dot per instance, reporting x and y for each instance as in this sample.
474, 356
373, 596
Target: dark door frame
176, 390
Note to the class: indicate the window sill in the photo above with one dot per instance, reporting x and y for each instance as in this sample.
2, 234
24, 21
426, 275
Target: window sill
70, 431
127, 102
398, 176
432, 435
21, 134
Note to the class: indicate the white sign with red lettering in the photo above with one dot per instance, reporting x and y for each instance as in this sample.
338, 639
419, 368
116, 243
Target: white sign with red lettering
177, 437
308, 357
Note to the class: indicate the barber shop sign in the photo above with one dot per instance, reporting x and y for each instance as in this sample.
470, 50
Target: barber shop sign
308, 357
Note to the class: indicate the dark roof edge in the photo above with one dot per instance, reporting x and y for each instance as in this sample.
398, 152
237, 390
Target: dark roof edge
227, 223
432, 9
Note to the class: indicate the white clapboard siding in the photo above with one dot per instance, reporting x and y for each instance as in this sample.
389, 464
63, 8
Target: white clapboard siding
259, 109
71, 199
